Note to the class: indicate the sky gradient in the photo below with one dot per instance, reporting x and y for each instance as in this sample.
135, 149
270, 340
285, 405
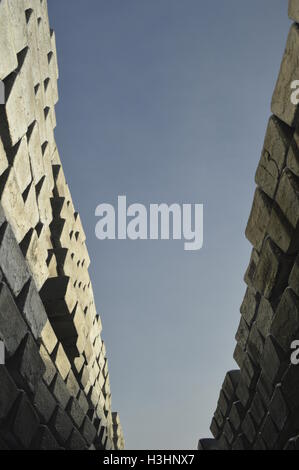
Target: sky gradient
167, 101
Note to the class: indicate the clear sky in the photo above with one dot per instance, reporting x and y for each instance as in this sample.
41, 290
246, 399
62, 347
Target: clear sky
167, 101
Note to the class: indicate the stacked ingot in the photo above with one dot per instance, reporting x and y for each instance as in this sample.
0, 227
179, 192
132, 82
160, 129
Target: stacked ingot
37, 205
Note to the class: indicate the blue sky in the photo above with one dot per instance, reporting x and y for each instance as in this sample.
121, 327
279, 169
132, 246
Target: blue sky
167, 101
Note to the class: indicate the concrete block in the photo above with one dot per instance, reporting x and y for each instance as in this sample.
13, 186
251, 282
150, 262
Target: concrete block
255, 344
61, 230
60, 391
13, 204
277, 143
43, 192
12, 327
88, 431
248, 428
242, 334
19, 159
44, 403
294, 10
285, 326
52, 265
49, 338
44, 440
31, 306
58, 296
83, 402
12, 115
54, 51
3, 159
249, 372
50, 123
35, 255
75, 412
222, 442
257, 409
8, 393
236, 415
43, 41
289, 387
278, 409
272, 272
31, 208
207, 444
72, 384
32, 34
269, 433
265, 388
76, 441
61, 426
8, 58
241, 443
35, 152
282, 106
259, 443
45, 21
294, 277
243, 393
61, 189
287, 197
50, 370
53, 78
264, 317
259, 218
223, 404
274, 360
61, 361
39, 112
18, 23
249, 306
26, 78
249, 275
65, 330
26, 366
24, 423
47, 158
44, 236
281, 231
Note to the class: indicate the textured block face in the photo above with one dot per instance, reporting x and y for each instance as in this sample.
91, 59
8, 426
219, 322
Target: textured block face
282, 105
44, 440
288, 197
277, 142
8, 393
44, 402
285, 326
27, 366
25, 422
32, 308
8, 54
259, 219
18, 23
3, 159
11, 261
12, 326
61, 426
294, 10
